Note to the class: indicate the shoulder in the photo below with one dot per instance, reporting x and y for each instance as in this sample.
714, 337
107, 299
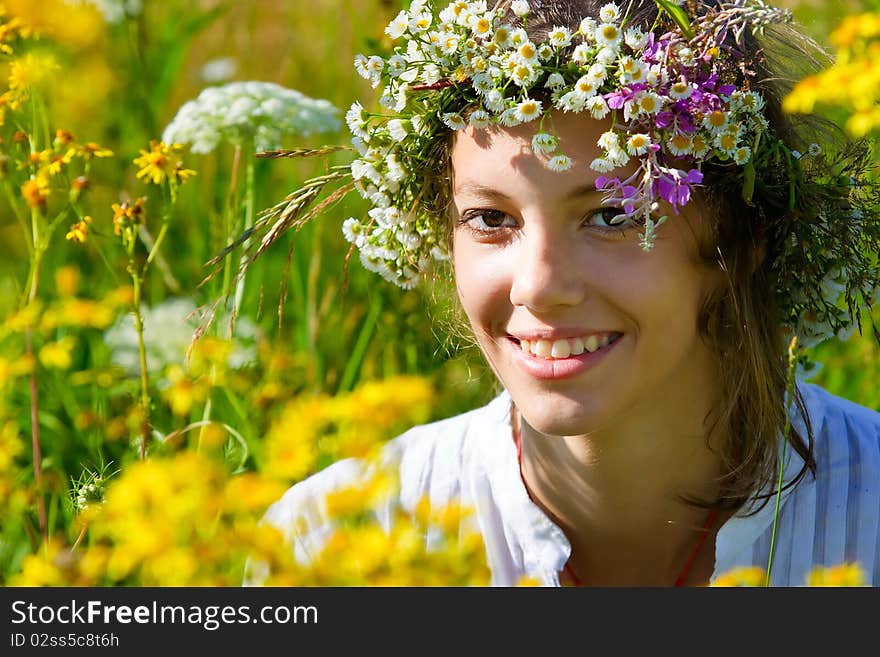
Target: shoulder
431, 459
838, 420
847, 439
435, 459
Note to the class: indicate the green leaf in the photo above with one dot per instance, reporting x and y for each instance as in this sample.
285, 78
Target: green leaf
748, 188
678, 15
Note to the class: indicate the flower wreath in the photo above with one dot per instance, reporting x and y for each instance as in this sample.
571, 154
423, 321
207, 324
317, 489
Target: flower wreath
674, 102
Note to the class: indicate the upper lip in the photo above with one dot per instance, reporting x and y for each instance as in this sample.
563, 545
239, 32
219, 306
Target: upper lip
557, 334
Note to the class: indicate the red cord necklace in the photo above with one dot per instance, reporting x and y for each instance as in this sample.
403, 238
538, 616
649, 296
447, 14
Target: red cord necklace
567, 568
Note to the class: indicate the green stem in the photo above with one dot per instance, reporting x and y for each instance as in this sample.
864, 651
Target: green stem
227, 221
33, 285
146, 427
22, 222
159, 239
206, 413
789, 394
249, 215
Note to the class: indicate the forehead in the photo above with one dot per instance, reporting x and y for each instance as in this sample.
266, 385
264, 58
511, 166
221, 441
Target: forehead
502, 157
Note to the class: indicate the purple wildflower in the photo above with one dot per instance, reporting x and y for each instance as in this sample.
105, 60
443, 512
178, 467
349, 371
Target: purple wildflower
674, 185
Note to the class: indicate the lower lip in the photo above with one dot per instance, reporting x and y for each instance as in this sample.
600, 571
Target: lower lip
559, 368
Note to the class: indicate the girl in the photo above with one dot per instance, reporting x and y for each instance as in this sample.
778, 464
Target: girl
635, 231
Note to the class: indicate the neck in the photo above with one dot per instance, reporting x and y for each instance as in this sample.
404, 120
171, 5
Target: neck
617, 493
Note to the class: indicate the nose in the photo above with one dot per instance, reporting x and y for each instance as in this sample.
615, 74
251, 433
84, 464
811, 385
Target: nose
546, 273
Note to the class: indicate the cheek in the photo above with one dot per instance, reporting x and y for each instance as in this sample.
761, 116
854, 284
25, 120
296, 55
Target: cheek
482, 286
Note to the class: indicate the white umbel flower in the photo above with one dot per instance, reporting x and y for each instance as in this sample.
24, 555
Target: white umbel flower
237, 112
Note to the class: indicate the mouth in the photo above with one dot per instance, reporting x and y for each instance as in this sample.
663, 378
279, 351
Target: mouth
560, 349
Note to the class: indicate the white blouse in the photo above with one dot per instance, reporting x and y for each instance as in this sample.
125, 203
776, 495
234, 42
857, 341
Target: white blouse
471, 459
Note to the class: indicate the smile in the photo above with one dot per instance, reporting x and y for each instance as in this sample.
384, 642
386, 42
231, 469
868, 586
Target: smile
569, 346
562, 358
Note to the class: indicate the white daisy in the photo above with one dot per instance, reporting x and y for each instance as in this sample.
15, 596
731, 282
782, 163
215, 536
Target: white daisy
559, 162
597, 107
396, 65
587, 29
454, 120
680, 144
571, 102
353, 231
717, 121
420, 22
543, 142
681, 90
527, 53
586, 86
397, 27
597, 72
638, 144
582, 54
609, 13
635, 39
509, 118
609, 140
479, 119
742, 155
494, 101
686, 57
398, 129
555, 81
601, 165
608, 34
559, 37
528, 110
520, 8
356, 120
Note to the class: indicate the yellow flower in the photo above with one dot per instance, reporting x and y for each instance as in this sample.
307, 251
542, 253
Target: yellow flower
58, 355
80, 230
183, 392
36, 192
75, 24
29, 72
744, 576
126, 215
846, 574
291, 444
67, 280
88, 151
41, 569
162, 162
10, 441
11, 29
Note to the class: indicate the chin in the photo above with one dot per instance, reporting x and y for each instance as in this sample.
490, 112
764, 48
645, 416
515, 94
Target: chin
556, 415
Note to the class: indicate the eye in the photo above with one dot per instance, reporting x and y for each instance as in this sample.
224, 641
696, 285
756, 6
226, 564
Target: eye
610, 218
487, 220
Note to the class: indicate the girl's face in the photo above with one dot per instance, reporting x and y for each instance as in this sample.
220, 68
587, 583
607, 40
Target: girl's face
610, 330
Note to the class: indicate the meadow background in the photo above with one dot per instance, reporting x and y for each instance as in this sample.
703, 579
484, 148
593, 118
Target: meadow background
131, 455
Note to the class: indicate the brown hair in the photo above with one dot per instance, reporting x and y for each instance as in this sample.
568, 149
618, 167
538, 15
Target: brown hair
740, 321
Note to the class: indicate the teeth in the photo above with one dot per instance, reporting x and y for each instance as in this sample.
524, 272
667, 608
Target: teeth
565, 348
541, 348
560, 349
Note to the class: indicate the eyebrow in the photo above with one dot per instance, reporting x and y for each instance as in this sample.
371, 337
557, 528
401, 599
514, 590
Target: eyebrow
477, 189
